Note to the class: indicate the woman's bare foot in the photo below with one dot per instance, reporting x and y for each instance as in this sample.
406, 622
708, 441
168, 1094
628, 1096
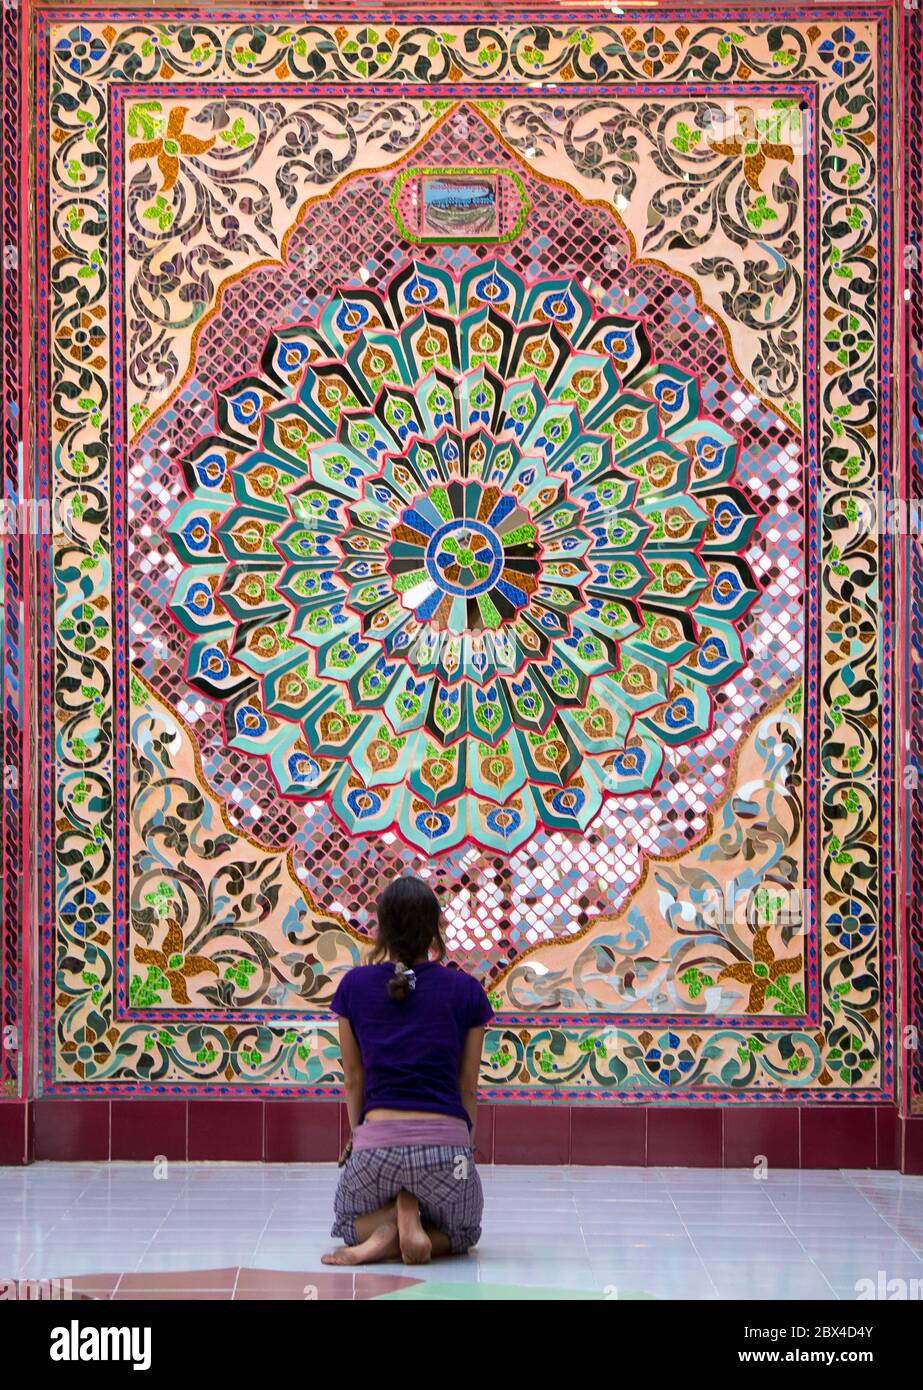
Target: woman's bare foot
416, 1246
382, 1244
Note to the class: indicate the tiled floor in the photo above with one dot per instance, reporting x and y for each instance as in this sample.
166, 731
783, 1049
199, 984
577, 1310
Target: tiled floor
669, 1233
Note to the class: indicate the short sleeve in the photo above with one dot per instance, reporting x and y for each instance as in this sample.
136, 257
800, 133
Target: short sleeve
479, 1009
340, 1003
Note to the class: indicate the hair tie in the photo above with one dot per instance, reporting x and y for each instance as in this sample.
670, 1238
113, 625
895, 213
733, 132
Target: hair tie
401, 969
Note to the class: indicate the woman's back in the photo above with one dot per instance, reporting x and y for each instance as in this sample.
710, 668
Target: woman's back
412, 1048
411, 1037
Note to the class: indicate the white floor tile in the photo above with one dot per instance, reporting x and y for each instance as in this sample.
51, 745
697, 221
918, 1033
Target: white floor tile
673, 1233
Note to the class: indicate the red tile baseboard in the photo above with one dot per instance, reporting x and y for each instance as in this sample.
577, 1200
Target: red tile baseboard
760, 1137
838, 1136
226, 1131
17, 1120
910, 1145
146, 1128
600, 1135
692, 1138
72, 1130
532, 1133
887, 1137
302, 1133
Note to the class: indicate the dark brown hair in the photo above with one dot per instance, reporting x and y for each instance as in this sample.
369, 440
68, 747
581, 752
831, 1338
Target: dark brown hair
408, 929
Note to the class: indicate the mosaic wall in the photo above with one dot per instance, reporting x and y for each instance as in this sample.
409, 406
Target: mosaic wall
908, 529
462, 442
13, 921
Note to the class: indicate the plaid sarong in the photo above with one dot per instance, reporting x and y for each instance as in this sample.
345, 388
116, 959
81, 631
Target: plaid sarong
442, 1177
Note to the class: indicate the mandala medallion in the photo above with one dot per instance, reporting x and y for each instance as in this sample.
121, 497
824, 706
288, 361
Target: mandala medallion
463, 559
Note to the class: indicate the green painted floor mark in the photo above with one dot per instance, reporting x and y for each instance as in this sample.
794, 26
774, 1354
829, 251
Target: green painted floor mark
431, 1288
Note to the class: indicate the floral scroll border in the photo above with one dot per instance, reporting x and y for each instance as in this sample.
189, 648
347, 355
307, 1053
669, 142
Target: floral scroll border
848, 797
14, 654
911, 490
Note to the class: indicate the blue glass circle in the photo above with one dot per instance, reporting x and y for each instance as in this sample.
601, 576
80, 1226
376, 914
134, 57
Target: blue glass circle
489, 552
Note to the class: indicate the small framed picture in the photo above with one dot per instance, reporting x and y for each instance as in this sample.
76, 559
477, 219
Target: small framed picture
462, 206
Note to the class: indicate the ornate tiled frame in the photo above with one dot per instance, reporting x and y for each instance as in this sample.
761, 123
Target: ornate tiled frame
417, 173
909, 492
15, 920
844, 824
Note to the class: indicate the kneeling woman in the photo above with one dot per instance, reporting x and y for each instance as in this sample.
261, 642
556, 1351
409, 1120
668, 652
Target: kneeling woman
411, 1036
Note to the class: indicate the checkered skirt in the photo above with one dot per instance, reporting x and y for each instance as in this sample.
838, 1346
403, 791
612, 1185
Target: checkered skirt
443, 1178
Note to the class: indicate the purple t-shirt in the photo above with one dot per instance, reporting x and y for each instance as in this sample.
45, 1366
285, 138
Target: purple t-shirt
412, 1048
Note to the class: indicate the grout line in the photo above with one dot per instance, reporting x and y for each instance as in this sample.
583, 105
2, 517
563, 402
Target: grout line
881, 1214
706, 1271
785, 1222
